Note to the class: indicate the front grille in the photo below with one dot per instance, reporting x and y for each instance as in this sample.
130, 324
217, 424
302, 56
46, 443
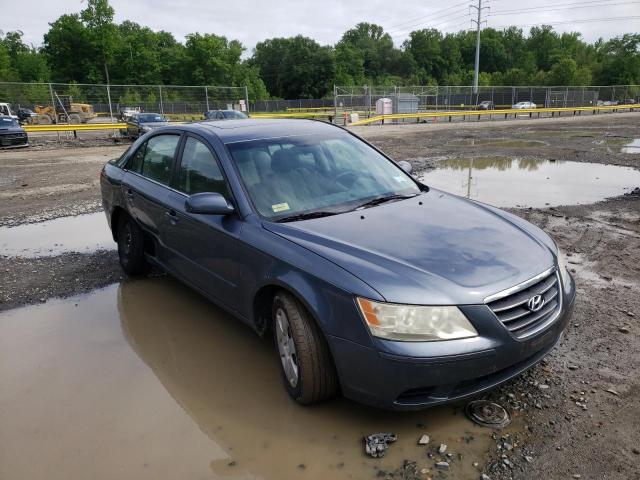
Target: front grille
13, 139
513, 312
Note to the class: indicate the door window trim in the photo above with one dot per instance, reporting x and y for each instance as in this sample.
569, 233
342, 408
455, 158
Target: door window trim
176, 171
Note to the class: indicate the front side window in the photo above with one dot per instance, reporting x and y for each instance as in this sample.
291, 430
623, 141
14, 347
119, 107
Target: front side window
154, 159
299, 174
199, 170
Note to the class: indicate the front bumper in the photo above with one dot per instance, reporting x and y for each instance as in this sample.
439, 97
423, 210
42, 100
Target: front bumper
415, 375
13, 141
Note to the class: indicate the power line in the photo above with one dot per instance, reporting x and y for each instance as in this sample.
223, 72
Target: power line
407, 32
587, 20
429, 23
393, 27
538, 9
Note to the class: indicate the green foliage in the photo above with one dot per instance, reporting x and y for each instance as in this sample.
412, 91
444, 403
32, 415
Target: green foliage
295, 67
88, 47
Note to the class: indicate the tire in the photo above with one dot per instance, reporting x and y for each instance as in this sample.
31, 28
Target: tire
74, 119
131, 247
44, 120
298, 338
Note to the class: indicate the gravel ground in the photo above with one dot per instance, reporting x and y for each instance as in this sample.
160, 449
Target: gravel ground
576, 415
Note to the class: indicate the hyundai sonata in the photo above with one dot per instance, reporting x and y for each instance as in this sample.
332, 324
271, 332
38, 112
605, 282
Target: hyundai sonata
373, 284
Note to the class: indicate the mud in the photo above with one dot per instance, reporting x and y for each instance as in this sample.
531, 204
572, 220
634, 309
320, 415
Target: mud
146, 379
37, 185
146, 406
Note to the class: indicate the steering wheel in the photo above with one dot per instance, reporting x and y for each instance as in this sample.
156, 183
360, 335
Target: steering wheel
353, 175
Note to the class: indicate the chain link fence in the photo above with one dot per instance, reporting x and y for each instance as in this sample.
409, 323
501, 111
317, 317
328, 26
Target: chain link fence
88, 103
362, 99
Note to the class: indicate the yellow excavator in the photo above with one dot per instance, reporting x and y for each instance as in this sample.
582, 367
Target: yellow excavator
65, 111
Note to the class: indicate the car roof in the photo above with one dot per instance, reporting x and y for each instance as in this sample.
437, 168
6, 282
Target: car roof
231, 131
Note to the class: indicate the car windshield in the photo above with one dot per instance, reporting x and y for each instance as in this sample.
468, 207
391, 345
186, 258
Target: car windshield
151, 118
8, 122
232, 114
326, 174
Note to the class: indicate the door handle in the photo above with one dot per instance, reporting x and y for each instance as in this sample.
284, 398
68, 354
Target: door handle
172, 216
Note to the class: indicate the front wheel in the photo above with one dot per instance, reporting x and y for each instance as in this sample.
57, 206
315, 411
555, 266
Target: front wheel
307, 367
131, 247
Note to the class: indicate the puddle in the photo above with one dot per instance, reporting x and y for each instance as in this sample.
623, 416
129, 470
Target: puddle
633, 147
512, 182
148, 380
82, 233
497, 142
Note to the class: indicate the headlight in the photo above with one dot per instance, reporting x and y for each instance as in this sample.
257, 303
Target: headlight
562, 267
415, 322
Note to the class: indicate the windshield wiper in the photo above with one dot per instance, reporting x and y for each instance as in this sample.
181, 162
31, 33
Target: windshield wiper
378, 200
306, 216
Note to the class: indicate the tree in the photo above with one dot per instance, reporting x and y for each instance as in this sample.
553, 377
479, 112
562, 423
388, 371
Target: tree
212, 59
296, 67
374, 47
65, 48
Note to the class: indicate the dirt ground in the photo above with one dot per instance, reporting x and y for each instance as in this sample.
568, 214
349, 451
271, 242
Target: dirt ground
577, 415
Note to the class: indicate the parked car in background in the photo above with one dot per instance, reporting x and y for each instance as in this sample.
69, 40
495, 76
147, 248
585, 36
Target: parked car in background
524, 105
6, 110
486, 105
12, 135
125, 113
372, 283
141, 123
26, 115
225, 115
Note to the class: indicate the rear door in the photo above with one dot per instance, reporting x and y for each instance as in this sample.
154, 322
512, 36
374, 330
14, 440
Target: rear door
146, 181
202, 248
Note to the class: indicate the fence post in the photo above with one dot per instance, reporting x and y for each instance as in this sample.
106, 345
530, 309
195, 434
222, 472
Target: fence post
246, 99
206, 97
53, 105
335, 104
110, 108
161, 105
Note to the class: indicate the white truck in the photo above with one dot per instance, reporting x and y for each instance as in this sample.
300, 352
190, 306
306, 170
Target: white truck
5, 109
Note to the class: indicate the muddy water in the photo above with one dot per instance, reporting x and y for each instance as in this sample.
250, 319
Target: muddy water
632, 147
148, 380
512, 182
82, 233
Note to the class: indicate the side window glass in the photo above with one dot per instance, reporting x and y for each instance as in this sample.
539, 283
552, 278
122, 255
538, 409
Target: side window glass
158, 157
199, 171
135, 162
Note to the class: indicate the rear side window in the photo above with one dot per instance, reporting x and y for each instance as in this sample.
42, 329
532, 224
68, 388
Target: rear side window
154, 159
199, 170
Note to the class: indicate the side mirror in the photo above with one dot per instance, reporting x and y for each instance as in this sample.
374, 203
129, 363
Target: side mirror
208, 203
406, 166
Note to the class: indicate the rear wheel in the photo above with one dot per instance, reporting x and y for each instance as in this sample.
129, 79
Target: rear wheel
307, 367
74, 119
131, 246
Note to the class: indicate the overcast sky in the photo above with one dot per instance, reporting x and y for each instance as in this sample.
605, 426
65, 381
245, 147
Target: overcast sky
251, 21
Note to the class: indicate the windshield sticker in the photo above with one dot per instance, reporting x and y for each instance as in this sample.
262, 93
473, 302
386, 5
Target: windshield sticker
280, 207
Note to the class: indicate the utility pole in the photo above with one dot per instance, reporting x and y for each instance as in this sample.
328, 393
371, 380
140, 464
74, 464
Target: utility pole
478, 23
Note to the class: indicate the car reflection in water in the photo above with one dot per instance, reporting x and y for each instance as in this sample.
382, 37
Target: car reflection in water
227, 381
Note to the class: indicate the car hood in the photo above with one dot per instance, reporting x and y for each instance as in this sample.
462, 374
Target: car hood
436, 248
6, 130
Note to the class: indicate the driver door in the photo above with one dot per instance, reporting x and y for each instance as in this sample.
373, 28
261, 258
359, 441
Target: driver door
202, 249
